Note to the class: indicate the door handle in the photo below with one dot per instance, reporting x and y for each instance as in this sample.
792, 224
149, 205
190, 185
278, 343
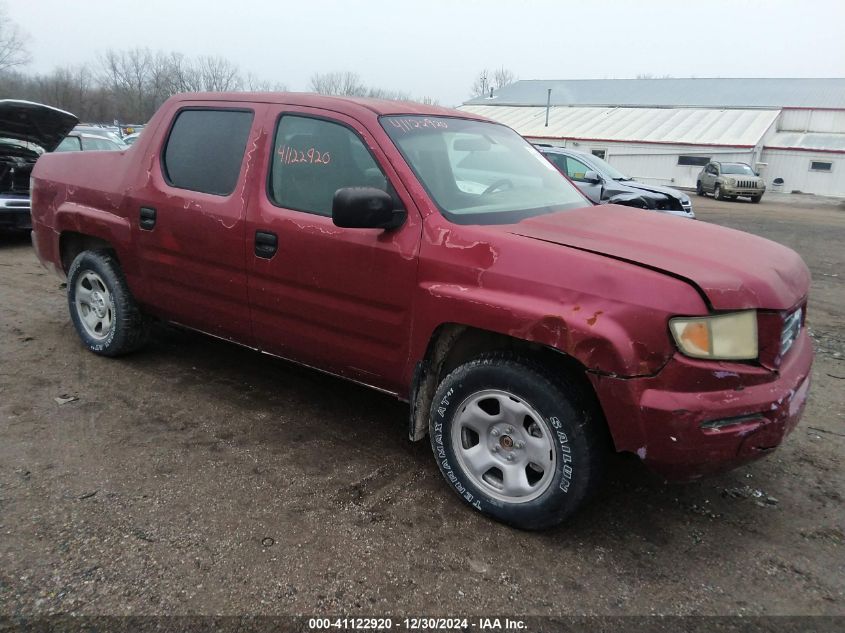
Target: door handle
147, 220
266, 244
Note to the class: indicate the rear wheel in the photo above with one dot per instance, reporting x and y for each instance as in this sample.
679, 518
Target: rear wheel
699, 189
717, 192
102, 309
515, 442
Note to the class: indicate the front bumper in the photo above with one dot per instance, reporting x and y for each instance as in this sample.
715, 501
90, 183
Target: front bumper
15, 213
684, 212
727, 190
697, 418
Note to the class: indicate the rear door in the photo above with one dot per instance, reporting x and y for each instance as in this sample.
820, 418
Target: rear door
189, 216
334, 298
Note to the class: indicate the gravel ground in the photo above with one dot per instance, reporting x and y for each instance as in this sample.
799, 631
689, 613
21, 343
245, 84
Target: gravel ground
196, 477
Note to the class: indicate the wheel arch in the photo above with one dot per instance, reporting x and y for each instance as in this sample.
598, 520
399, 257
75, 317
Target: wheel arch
72, 243
452, 344
87, 227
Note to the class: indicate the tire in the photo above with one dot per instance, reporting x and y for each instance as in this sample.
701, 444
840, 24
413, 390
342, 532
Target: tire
102, 309
699, 189
548, 426
756, 199
717, 192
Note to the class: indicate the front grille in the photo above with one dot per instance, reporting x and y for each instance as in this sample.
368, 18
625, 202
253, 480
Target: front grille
746, 184
14, 175
791, 328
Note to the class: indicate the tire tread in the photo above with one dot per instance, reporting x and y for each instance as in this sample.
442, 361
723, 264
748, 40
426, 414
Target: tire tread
590, 422
131, 324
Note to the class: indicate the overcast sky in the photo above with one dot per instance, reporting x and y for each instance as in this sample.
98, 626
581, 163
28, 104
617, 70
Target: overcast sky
436, 47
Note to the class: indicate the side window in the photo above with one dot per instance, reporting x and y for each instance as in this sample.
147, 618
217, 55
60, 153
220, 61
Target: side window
558, 161
205, 150
69, 144
575, 169
693, 161
313, 158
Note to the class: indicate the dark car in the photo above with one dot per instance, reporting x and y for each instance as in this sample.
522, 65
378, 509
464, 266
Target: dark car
437, 256
604, 184
27, 130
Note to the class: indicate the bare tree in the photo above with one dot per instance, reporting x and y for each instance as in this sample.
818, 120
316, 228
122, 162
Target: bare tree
481, 85
219, 74
13, 50
254, 84
486, 81
502, 77
349, 84
346, 83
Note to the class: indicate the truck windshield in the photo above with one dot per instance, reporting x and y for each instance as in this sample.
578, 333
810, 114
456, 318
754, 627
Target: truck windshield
479, 172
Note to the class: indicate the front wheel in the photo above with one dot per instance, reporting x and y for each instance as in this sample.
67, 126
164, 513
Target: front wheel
699, 189
515, 442
756, 199
717, 192
102, 309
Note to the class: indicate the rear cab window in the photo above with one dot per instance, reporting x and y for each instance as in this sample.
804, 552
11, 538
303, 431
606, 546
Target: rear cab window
205, 148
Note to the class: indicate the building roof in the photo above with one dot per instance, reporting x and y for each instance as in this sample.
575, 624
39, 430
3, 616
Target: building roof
706, 93
682, 126
808, 141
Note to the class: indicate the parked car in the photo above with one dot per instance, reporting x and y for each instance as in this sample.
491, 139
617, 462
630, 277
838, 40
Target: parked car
602, 183
438, 256
27, 130
129, 139
113, 133
130, 128
728, 181
78, 141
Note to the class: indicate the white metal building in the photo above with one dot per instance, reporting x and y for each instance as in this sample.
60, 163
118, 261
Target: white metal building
664, 130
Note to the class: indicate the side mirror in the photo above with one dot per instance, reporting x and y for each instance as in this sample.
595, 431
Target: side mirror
365, 208
592, 177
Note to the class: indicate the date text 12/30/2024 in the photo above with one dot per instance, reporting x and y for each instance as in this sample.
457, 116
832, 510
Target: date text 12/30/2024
415, 624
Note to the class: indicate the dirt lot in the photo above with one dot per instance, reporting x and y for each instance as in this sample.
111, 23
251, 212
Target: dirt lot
197, 477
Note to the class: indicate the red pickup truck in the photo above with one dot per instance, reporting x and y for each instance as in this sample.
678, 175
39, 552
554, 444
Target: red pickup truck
437, 256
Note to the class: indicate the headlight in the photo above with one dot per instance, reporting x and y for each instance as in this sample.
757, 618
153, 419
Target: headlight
721, 337
730, 181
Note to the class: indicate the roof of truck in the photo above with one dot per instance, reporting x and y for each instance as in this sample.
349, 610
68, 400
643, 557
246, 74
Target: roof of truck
336, 103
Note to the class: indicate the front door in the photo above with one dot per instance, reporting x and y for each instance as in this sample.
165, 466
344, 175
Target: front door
334, 298
708, 179
189, 217
577, 170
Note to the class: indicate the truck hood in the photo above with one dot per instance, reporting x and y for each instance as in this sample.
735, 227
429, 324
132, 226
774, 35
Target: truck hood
734, 270
34, 123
